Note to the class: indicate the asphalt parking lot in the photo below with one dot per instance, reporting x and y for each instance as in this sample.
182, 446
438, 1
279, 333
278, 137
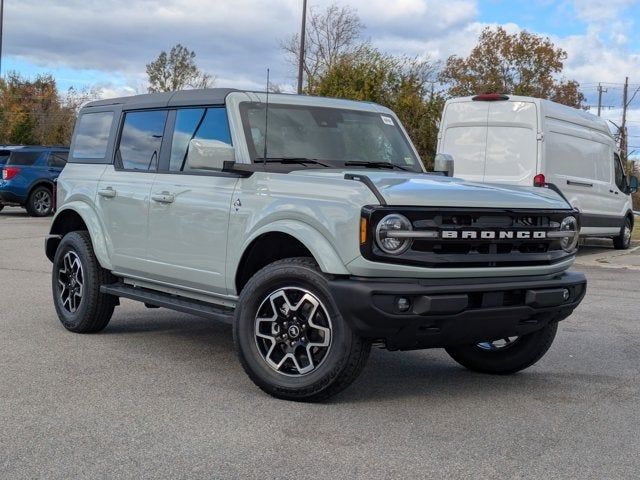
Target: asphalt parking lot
160, 394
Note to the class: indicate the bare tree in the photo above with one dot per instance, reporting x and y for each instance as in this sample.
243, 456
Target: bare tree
176, 71
330, 33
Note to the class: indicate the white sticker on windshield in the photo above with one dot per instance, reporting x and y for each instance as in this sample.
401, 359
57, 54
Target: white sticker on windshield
387, 120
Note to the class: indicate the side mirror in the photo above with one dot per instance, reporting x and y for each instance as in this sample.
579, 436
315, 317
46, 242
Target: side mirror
209, 155
633, 184
443, 163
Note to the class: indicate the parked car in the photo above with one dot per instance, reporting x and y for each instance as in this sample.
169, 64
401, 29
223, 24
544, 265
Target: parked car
528, 141
28, 177
310, 224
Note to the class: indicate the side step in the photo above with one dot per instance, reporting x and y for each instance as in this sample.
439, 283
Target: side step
172, 302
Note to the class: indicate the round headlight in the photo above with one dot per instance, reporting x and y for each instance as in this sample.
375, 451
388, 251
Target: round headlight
385, 238
569, 224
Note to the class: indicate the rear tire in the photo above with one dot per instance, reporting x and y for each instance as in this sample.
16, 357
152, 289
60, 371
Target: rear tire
623, 241
520, 354
76, 280
40, 202
290, 337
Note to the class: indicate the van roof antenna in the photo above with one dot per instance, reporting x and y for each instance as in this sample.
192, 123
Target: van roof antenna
266, 124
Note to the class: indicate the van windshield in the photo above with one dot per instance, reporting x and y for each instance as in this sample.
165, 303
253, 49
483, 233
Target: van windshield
330, 136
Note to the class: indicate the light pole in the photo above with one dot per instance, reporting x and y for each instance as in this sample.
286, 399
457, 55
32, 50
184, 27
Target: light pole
303, 29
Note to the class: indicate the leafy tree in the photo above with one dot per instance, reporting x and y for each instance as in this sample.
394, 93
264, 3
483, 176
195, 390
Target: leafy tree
33, 112
176, 71
400, 83
330, 33
520, 64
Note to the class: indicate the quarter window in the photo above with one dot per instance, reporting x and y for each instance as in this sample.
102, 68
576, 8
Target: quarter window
92, 135
141, 139
24, 158
58, 159
200, 124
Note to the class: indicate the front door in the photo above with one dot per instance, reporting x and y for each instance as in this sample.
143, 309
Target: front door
189, 209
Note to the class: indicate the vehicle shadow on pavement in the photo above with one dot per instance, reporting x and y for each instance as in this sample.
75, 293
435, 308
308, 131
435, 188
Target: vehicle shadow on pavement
387, 376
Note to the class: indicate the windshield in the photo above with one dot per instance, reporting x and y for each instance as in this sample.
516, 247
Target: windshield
329, 135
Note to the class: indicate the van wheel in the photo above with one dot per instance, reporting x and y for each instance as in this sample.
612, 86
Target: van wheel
40, 202
290, 337
623, 241
76, 280
506, 355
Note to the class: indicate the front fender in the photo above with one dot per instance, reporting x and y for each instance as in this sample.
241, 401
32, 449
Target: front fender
92, 222
323, 252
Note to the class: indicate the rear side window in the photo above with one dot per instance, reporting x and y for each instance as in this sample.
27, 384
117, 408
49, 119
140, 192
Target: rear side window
57, 159
200, 124
23, 158
4, 156
92, 135
141, 139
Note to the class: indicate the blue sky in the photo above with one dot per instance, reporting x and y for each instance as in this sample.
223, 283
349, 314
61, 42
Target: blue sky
106, 43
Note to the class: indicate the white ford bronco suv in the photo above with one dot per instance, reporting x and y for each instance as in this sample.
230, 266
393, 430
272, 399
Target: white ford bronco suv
311, 224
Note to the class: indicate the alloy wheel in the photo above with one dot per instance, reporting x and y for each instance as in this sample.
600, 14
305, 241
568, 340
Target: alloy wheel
71, 280
42, 202
293, 331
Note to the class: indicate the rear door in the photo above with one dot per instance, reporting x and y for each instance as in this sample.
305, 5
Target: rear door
189, 209
512, 145
125, 187
56, 161
464, 137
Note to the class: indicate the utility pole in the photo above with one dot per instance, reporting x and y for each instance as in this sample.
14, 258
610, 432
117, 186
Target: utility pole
1, 32
303, 33
623, 125
600, 92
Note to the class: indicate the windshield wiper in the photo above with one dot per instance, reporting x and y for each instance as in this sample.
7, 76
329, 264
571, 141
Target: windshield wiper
359, 163
299, 160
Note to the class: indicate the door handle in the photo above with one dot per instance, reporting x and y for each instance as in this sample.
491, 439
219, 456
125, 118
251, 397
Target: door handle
163, 197
108, 192
579, 184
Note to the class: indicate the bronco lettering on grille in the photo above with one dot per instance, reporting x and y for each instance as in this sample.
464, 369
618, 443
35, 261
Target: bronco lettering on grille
492, 234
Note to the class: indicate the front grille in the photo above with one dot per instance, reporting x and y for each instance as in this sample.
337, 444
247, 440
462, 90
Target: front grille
501, 251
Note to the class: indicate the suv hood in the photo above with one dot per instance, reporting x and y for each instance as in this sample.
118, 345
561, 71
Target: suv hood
414, 189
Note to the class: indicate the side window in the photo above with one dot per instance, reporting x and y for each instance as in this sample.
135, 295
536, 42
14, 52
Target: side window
57, 159
619, 173
141, 139
196, 123
92, 135
25, 159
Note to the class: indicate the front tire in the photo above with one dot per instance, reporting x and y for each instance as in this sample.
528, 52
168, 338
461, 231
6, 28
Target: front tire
290, 337
623, 241
76, 280
505, 356
40, 202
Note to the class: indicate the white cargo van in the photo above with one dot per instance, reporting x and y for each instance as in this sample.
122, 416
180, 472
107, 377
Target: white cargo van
527, 141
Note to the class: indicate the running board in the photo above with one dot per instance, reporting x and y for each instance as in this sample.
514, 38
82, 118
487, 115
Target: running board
172, 302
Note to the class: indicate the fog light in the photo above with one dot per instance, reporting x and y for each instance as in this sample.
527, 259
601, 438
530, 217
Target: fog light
566, 294
403, 304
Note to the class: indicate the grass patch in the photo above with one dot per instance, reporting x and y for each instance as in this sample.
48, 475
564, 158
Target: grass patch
636, 232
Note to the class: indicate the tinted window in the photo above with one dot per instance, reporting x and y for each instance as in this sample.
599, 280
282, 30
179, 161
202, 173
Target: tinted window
620, 180
141, 139
58, 159
23, 158
196, 123
92, 135
4, 155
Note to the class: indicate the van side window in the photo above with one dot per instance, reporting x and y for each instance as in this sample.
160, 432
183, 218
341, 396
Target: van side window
92, 135
200, 124
141, 139
619, 173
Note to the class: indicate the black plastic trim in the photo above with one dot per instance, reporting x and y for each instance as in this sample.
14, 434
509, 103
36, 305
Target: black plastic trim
369, 183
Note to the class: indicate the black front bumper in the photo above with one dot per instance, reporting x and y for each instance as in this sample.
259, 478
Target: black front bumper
448, 312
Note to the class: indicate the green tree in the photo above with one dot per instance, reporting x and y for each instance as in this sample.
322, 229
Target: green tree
405, 85
520, 64
176, 71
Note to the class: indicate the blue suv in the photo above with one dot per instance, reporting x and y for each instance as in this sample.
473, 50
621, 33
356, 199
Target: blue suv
28, 175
